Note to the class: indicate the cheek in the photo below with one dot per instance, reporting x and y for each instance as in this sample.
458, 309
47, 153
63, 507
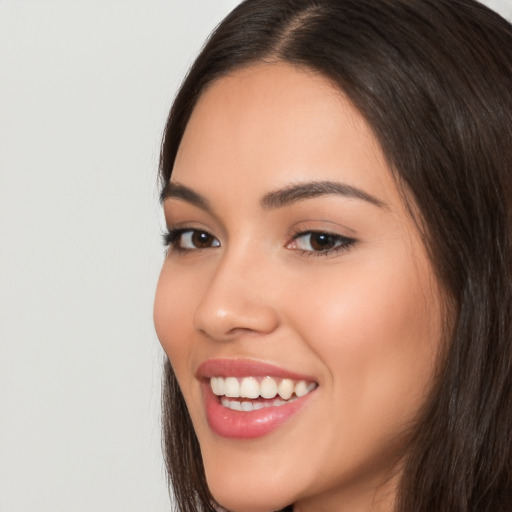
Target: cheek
174, 299
376, 330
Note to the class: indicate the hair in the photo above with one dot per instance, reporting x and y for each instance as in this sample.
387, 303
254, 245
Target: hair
433, 79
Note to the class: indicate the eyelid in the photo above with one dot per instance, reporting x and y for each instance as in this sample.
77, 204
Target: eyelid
342, 242
173, 235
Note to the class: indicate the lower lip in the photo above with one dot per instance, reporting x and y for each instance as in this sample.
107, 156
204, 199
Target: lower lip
247, 425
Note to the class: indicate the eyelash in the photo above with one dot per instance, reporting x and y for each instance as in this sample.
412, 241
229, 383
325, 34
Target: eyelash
172, 237
342, 243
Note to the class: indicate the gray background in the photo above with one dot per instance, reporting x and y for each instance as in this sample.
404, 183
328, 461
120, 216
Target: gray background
85, 87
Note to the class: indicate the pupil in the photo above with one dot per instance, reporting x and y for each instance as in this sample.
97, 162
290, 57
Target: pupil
201, 239
321, 241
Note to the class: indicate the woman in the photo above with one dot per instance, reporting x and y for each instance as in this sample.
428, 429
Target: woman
336, 298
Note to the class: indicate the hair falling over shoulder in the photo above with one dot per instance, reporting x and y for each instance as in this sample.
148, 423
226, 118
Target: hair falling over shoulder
433, 79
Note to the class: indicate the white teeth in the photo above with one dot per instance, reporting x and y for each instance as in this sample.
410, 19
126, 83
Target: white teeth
235, 405
302, 388
285, 388
268, 387
218, 385
249, 388
252, 388
246, 406
232, 387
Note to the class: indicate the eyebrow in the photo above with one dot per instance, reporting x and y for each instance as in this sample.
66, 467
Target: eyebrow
278, 198
177, 191
312, 189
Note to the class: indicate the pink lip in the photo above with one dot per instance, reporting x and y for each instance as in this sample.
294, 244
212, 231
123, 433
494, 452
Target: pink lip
245, 368
246, 425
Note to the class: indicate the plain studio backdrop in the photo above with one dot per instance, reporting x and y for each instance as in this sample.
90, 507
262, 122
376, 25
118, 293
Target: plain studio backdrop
85, 87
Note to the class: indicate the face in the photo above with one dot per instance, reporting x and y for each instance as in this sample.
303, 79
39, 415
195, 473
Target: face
296, 302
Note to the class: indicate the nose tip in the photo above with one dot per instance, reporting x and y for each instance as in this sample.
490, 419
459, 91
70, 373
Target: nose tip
231, 307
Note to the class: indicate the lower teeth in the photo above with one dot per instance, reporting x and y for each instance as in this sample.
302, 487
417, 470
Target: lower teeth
245, 406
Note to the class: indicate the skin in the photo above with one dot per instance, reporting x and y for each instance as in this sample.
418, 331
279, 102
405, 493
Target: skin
365, 321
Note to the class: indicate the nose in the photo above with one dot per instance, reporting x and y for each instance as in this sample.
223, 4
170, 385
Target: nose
236, 300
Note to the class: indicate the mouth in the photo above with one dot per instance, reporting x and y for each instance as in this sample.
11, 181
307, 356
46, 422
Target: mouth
247, 399
254, 393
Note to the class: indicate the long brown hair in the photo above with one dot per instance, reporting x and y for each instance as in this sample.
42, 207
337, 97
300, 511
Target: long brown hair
433, 78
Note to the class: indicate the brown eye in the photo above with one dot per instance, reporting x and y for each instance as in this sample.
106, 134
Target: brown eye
191, 239
201, 239
321, 243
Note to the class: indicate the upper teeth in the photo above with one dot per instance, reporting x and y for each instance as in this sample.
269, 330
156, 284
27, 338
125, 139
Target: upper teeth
266, 387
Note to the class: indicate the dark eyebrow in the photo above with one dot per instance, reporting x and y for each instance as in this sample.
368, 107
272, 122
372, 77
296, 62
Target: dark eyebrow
278, 198
177, 191
303, 191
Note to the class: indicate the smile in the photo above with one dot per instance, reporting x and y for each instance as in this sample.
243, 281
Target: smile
261, 391
246, 399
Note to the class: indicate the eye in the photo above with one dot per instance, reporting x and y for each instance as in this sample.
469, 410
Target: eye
320, 243
194, 239
184, 239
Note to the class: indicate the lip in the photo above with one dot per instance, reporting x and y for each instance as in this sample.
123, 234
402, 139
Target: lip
245, 368
253, 424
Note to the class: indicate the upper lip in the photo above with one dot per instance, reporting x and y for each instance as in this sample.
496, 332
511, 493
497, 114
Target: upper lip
245, 368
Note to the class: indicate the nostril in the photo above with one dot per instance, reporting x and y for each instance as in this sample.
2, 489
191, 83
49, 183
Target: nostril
241, 318
232, 305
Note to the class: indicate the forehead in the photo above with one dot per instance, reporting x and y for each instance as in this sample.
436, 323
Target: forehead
268, 125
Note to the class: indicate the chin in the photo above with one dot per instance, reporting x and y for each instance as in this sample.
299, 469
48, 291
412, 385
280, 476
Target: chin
246, 504
240, 495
